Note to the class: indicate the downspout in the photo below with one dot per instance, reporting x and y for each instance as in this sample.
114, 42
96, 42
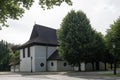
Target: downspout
31, 64
46, 57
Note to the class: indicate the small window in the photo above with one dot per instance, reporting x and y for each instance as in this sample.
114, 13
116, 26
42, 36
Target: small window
28, 51
65, 64
42, 64
52, 64
23, 53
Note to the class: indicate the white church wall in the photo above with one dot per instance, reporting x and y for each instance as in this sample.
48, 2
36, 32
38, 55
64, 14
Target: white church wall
102, 66
40, 58
64, 66
26, 52
82, 66
88, 67
25, 63
15, 68
52, 65
32, 54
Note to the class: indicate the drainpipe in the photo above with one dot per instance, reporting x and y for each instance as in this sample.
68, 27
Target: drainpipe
46, 56
31, 64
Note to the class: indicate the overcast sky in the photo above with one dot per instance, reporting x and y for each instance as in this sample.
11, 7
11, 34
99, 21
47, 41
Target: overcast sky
101, 13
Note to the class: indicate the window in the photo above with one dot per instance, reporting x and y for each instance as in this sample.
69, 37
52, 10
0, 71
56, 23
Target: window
23, 53
65, 64
28, 51
52, 64
42, 64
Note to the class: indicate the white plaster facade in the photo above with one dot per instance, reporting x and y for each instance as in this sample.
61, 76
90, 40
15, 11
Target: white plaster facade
39, 55
38, 60
15, 68
54, 65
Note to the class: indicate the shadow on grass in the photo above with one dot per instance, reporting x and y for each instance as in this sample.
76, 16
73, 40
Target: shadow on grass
91, 75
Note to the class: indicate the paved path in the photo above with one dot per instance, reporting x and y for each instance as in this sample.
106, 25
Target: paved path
56, 76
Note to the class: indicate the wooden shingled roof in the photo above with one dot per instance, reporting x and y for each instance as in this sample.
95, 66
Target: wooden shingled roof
42, 35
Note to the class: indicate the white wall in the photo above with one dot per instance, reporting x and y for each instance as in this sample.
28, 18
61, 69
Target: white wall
89, 66
61, 66
15, 68
50, 67
40, 57
38, 54
25, 63
82, 66
32, 54
102, 66
41, 52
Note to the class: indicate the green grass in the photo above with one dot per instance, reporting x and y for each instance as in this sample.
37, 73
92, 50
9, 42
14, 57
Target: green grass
111, 74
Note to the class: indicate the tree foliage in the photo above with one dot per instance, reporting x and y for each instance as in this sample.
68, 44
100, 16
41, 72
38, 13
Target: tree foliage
8, 55
113, 37
74, 37
14, 9
99, 47
51, 3
4, 56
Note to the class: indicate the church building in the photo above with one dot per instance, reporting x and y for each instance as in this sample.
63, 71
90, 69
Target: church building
40, 52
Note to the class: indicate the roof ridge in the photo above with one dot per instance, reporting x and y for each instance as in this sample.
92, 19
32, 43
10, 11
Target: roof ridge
37, 25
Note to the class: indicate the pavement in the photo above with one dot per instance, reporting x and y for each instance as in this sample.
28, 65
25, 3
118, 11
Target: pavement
57, 76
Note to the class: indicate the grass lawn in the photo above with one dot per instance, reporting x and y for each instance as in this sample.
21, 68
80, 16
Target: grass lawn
111, 74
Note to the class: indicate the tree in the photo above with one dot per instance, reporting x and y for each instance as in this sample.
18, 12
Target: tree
113, 37
14, 58
8, 55
14, 9
4, 56
96, 50
74, 37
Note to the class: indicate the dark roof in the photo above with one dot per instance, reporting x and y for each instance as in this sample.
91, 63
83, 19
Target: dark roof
55, 56
42, 35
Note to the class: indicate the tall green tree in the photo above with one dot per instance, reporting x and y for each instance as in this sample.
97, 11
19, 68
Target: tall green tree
14, 9
113, 37
74, 37
9, 55
98, 49
4, 56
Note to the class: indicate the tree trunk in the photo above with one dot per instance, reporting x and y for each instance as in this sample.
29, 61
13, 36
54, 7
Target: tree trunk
111, 66
79, 67
97, 66
14, 68
93, 67
105, 66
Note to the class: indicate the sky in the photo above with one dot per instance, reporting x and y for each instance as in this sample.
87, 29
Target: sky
101, 13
